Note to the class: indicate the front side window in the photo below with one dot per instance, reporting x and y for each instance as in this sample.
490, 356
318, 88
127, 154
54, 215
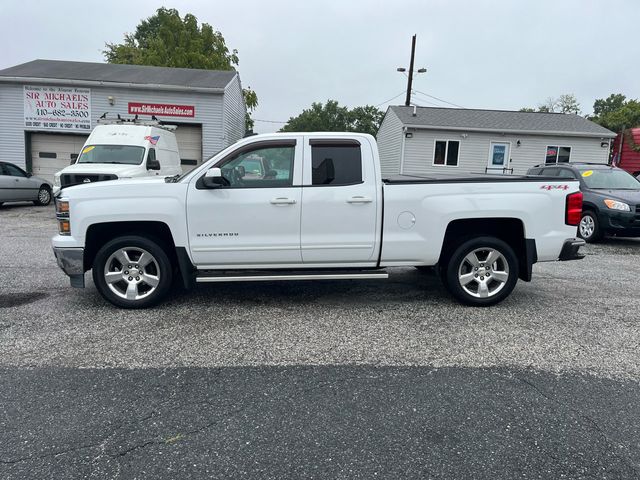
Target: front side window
260, 168
339, 164
556, 154
119, 154
446, 153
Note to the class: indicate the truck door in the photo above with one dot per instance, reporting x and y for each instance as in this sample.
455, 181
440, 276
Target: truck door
339, 202
254, 221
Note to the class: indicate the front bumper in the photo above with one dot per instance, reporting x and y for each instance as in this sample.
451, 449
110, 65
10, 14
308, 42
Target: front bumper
71, 261
623, 224
570, 249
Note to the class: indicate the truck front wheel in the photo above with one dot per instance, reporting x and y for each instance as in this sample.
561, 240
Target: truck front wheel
482, 271
132, 272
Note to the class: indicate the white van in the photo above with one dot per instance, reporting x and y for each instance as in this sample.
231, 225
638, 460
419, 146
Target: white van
123, 150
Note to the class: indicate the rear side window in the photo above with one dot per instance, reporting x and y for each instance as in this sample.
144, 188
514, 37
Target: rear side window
13, 171
336, 164
564, 173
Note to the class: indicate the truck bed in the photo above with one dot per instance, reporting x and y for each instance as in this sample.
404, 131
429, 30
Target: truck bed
465, 178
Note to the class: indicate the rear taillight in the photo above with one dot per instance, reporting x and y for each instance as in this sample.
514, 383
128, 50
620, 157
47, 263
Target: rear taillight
574, 209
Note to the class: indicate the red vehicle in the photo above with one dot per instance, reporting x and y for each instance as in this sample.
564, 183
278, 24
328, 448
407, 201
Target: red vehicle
628, 157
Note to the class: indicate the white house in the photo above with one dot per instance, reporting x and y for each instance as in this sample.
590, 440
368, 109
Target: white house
426, 140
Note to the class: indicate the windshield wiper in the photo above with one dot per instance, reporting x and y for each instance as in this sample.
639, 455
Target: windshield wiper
172, 179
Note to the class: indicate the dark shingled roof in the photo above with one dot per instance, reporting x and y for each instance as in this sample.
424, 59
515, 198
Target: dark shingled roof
501, 120
109, 72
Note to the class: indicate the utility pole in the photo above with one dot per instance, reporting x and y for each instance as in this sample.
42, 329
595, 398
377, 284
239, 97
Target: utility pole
407, 102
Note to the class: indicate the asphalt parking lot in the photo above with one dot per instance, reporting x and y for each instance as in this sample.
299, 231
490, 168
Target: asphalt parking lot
386, 379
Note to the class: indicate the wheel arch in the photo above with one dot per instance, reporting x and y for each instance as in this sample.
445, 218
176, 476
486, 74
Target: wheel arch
98, 234
509, 230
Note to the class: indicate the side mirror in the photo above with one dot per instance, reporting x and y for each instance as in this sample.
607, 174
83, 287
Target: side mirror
153, 164
214, 179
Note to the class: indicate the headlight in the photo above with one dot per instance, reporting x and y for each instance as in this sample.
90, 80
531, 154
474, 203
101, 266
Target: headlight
56, 181
616, 205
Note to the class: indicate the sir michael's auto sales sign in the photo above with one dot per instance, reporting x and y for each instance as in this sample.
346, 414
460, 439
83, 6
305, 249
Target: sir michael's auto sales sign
57, 108
162, 109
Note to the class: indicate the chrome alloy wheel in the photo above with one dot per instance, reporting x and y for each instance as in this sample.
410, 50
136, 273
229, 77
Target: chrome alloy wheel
587, 226
44, 196
132, 273
483, 272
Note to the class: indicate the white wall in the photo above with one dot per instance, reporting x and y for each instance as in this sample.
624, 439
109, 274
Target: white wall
474, 151
234, 112
389, 139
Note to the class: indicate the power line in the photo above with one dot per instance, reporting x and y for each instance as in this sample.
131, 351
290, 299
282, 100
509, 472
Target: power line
392, 98
267, 121
439, 99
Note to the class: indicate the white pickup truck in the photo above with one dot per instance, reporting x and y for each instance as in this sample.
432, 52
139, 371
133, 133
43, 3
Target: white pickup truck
306, 206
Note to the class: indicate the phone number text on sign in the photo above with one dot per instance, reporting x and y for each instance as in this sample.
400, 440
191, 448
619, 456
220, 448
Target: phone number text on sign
57, 108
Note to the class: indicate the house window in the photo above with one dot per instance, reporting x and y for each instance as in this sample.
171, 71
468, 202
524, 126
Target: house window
556, 154
446, 153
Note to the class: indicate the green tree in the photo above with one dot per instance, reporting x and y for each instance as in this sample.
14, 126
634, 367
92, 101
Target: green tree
331, 117
604, 106
616, 112
167, 40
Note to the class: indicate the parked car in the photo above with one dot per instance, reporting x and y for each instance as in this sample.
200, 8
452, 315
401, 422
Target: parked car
328, 214
611, 203
16, 185
123, 150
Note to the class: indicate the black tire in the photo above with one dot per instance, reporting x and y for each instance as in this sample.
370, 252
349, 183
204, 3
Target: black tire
44, 196
139, 274
589, 223
499, 278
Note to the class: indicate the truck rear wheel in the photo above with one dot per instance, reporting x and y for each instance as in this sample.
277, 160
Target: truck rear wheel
132, 272
482, 271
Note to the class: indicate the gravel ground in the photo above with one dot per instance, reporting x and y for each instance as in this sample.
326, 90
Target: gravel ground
579, 316
354, 379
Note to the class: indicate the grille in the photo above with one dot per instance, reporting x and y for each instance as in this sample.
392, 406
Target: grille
70, 179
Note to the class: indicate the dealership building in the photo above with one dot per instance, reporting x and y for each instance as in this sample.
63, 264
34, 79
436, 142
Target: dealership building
49, 108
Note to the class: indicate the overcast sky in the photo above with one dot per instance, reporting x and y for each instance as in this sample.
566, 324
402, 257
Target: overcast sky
496, 54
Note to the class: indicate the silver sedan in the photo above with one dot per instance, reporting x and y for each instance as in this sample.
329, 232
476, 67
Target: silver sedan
16, 185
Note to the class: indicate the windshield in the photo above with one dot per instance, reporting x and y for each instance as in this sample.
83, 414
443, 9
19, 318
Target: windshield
124, 154
609, 179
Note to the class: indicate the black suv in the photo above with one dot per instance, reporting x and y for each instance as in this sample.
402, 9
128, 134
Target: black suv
611, 198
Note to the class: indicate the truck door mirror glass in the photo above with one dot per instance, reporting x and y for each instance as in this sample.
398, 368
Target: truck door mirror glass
152, 163
214, 179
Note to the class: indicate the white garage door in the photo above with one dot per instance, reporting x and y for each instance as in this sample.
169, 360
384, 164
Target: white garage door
51, 152
189, 139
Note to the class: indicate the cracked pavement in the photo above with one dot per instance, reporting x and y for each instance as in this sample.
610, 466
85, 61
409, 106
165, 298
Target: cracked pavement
386, 379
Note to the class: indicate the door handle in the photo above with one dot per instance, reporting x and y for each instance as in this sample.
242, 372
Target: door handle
283, 201
359, 199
